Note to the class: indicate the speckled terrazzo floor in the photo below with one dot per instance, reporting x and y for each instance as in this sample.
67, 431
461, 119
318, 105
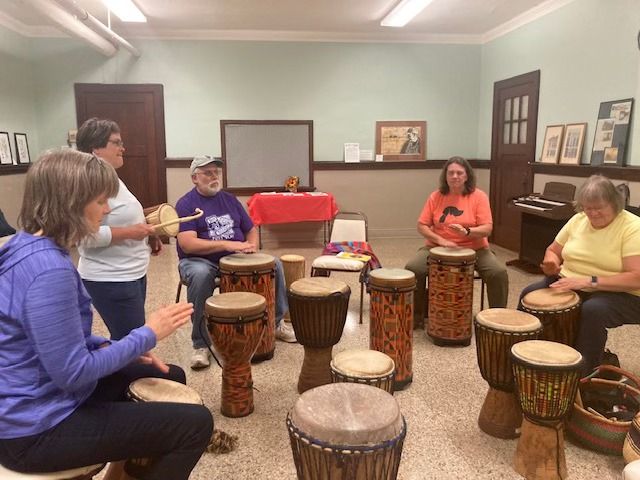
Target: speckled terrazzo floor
441, 405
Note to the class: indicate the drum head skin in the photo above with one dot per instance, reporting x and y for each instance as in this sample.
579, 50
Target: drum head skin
392, 277
363, 363
507, 320
292, 258
550, 299
348, 414
168, 213
318, 287
544, 353
163, 390
452, 254
247, 262
235, 304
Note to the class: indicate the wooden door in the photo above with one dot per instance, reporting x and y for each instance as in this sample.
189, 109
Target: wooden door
513, 148
139, 111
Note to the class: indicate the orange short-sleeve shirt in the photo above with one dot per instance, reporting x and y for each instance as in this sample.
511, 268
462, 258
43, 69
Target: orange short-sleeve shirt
467, 210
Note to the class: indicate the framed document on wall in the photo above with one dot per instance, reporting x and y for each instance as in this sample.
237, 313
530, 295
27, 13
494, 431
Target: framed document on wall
612, 132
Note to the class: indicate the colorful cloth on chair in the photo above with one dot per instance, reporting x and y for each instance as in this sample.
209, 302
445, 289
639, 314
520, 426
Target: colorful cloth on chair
364, 248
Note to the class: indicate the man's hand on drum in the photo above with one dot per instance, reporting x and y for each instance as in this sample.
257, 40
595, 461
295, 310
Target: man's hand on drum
151, 359
167, 320
567, 283
243, 247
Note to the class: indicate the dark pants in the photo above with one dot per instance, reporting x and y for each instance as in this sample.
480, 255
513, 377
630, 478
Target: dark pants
600, 310
108, 427
120, 304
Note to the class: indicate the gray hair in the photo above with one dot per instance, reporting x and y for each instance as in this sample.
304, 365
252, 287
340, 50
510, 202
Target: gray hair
58, 187
598, 188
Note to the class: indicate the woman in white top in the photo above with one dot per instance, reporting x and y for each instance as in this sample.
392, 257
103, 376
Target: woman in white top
113, 263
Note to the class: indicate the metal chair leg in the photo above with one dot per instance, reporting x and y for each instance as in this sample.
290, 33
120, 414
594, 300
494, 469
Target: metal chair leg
361, 299
482, 294
179, 291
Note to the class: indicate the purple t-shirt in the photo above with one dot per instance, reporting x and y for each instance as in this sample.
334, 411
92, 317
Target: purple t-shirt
223, 219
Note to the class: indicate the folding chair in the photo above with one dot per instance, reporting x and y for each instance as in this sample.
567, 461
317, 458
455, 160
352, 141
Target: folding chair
346, 227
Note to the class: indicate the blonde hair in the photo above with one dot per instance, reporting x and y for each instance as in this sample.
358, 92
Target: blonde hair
598, 188
58, 187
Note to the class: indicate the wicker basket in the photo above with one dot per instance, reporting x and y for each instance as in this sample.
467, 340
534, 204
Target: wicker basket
595, 431
631, 448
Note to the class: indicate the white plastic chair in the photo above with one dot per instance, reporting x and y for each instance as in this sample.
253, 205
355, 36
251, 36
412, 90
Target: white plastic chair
346, 227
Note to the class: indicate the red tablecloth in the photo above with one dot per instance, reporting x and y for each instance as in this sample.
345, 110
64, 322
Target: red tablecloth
291, 207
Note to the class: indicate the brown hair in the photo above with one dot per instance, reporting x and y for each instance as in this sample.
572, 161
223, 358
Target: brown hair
599, 188
94, 133
58, 187
469, 185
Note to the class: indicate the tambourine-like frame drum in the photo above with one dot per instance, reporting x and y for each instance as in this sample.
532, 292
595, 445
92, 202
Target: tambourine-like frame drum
559, 312
450, 294
546, 376
496, 331
391, 319
236, 322
367, 367
318, 308
158, 390
346, 431
253, 272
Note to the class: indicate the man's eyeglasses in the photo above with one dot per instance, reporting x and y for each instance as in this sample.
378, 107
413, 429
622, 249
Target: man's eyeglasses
210, 173
117, 143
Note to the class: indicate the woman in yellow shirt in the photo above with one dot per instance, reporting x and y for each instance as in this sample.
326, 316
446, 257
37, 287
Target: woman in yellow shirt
597, 254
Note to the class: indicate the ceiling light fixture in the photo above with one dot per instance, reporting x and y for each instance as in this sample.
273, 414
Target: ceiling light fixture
404, 12
125, 10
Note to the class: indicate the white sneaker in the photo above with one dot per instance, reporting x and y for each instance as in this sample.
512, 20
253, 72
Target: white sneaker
200, 359
285, 333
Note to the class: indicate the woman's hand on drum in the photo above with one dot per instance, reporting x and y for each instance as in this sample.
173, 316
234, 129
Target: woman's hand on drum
140, 231
168, 319
458, 229
443, 242
567, 283
151, 359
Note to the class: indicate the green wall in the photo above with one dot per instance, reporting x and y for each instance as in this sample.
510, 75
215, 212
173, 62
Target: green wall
587, 53
343, 88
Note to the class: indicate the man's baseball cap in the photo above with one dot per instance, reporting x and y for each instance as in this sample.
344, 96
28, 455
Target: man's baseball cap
202, 160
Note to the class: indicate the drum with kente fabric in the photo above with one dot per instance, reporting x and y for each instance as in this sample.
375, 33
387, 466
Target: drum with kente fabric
318, 308
253, 272
546, 376
559, 312
346, 431
496, 331
450, 294
368, 367
236, 323
391, 318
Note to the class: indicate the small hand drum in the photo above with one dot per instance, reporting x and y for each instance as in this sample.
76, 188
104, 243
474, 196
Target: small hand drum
253, 272
368, 367
346, 431
163, 213
559, 312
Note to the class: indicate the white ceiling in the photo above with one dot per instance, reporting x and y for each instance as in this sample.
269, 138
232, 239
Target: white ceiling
463, 21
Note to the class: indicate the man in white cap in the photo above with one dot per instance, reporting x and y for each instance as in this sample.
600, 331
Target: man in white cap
224, 228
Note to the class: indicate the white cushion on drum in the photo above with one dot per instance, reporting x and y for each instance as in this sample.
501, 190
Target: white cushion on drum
332, 262
632, 471
6, 474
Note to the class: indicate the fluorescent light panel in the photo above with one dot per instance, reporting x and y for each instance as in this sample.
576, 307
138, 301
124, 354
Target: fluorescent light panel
404, 12
125, 10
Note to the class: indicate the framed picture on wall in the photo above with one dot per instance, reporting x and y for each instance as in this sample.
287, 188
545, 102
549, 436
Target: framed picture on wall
552, 144
401, 140
573, 143
22, 148
6, 158
612, 132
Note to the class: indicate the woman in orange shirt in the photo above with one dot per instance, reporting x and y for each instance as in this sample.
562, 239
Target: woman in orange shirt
458, 215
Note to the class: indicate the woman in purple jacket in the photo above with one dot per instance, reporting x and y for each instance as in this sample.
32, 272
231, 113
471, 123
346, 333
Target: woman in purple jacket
62, 389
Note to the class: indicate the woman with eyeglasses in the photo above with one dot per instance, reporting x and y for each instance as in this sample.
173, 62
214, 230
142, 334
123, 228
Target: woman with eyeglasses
597, 255
113, 262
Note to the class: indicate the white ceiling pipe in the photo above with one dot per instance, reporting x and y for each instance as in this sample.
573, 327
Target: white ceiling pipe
73, 26
96, 24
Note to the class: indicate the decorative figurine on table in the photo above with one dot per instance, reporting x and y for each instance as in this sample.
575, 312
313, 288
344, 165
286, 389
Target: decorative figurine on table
291, 184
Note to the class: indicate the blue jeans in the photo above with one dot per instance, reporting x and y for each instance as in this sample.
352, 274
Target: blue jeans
199, 275
108, 427
120, 304
600, 310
